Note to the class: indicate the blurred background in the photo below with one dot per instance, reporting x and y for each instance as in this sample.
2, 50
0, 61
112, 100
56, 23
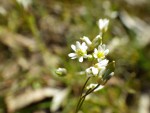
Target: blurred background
35, 39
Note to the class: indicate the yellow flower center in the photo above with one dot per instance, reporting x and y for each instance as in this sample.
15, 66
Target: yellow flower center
79, 52
100, 55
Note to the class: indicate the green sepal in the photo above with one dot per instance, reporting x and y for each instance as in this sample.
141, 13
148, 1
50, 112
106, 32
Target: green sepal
109, 69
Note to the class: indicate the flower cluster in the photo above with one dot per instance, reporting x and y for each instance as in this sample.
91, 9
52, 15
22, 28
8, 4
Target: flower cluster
95, 50
81, 49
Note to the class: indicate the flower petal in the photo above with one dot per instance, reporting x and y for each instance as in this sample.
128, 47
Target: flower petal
101, 72
95, 50
73, 57
100, 48
99, 88
72, 54
81, 59
106, 51
103, 46
93, 86
95, 53
73, 47
103, 63
103, 24
83, 46
88, 72
94, 70
78, 45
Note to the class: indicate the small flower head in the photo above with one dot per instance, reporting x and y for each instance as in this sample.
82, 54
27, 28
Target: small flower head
91, 71
101, 66
80, 51
98, 69
103, 24
101, 52
88, 72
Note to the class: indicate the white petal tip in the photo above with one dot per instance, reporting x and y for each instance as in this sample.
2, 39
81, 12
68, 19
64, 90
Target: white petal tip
81, 59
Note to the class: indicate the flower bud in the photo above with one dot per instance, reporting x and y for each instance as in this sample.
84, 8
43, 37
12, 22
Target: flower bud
86, 40
61, 71
96, 41
103, 25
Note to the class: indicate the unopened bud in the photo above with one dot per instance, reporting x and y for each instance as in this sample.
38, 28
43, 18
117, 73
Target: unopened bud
97, 41
61, 71
103, 25
86, 40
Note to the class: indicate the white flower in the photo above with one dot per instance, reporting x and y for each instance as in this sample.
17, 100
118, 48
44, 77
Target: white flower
103, 24
102, 66
91, 71
102, 63
101, 52
98, 69
80, 51
93, 86
88, 72
86, 40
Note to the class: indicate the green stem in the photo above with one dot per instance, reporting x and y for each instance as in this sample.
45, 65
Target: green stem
81, 100
84, 96
84, 85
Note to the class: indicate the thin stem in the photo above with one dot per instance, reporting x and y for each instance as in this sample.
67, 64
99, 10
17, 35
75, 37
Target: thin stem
77, 108
84, 96
80, 102
84, 85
